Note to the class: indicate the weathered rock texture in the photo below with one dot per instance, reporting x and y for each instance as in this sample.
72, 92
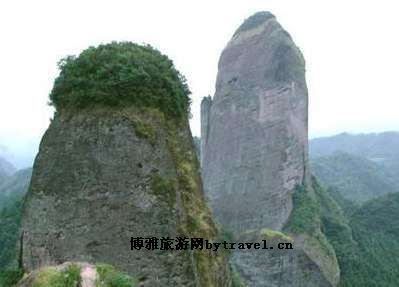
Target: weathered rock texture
304, 265
255, 129
254, 149
105, 175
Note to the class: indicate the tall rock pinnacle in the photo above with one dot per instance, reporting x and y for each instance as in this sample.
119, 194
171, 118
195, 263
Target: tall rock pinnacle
254, 157
255, 134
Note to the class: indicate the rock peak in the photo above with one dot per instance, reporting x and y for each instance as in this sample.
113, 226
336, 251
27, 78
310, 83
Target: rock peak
254, 21
254, 153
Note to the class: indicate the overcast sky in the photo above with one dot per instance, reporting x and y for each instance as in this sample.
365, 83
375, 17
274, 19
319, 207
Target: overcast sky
351, 50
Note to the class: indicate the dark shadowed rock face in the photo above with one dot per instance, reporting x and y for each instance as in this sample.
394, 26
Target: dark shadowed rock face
255, 130
254, 153
105, 175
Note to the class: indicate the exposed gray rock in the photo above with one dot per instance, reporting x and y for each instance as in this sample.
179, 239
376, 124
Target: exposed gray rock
206, 105
103, 176
278, 267
197, 144
254, 153
254, 134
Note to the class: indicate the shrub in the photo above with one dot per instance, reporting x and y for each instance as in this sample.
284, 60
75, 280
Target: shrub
110, 277
10, 277
51, 277
71, 276
121, 74
305, 216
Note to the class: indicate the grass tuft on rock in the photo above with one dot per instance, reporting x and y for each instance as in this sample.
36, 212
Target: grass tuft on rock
164, 188
51, 277
275, 235
110, 277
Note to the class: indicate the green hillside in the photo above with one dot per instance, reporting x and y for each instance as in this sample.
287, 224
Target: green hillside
356, 178
368, 248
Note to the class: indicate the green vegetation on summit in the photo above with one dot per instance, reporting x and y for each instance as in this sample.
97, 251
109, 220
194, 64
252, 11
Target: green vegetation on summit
121, 74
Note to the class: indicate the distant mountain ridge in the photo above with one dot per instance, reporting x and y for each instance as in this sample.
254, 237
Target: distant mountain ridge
360, 167
374, 146
357, 178
6, 168
14, 186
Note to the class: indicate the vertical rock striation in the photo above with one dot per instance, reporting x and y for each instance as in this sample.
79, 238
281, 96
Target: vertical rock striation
255, 153
206, 105
106, 173
255, 146
100, 179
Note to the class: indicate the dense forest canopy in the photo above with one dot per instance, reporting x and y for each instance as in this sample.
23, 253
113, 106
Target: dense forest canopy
121, 74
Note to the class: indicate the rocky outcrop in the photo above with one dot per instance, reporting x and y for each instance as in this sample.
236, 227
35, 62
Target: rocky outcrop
254, 151
206, 105
104, 175
256, 139
117, 178
304, 265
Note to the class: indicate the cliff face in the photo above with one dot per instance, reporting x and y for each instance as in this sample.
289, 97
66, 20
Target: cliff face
254, 154
255, 145
103, 176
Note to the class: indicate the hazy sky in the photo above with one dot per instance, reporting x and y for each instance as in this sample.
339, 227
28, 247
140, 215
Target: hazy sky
351, 50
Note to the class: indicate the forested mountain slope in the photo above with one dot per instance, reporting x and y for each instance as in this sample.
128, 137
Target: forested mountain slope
359, 167
356, 178
6, 169
367, 245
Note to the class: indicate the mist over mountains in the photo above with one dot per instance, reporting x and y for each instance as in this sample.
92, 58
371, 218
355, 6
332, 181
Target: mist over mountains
20, 154
379, 147
6, 168
361, 167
